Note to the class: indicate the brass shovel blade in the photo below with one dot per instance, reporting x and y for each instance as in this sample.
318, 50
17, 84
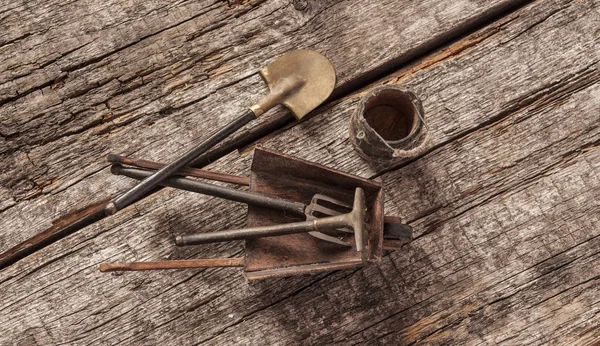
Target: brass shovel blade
312, 68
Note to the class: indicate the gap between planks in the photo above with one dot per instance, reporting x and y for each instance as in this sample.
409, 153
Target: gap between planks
72, 222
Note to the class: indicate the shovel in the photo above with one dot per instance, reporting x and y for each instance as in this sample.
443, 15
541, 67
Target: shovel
300, 80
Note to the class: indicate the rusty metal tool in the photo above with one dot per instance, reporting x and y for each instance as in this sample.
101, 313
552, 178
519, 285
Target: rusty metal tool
293, 179
395, 232
355, 220
173, 264
301, 80
185, 171
320, 206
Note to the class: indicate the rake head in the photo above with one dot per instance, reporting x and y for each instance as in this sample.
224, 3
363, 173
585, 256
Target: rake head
325, 206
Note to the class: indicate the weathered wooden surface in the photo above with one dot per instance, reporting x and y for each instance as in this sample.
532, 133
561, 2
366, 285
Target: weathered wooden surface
134, 77
505, 206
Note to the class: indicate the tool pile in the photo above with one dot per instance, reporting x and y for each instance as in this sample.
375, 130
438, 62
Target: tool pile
338, 219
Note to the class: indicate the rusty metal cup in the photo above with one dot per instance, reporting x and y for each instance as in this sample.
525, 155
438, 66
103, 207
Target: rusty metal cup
389, 125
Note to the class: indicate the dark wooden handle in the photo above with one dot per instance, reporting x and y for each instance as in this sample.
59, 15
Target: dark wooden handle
192, 172
144, 186
175, 264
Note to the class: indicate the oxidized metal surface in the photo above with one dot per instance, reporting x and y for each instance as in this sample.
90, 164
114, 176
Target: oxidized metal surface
196, 263
187, 171
388, 125
307, 73
298, 180
320, 206
241, 196
323, 205
294, 181
395, 233
353, 220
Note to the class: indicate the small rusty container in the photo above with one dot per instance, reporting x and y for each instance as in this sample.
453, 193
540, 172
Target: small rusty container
297, 180
389, 125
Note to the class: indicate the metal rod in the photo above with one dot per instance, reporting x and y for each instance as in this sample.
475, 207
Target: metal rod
394, 229
150, 182
326, 223
175, 264
244, 139
192, 172
252, 198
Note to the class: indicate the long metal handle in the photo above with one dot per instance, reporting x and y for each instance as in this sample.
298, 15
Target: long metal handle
264, 231
175, 264
147, 184
192, 172
395, 232
252, 198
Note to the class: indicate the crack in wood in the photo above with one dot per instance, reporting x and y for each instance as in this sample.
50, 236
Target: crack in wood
426, 48
62, 227
425, 266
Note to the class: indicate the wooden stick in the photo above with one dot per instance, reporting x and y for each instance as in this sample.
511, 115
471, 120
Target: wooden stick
175, 264
192, 172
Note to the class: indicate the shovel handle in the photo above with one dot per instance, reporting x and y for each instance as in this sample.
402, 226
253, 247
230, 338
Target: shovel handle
175, 264
248, 197
192, 172
152, 181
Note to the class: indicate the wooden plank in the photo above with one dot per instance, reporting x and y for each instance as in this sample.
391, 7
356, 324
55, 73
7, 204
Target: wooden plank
506, 219
509, 253
491, 81
81, 80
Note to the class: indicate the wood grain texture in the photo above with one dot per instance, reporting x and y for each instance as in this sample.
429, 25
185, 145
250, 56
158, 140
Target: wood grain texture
489, 82
504, 204
146, 79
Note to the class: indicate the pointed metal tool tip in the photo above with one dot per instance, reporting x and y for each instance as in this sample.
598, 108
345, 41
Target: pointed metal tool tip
179, 241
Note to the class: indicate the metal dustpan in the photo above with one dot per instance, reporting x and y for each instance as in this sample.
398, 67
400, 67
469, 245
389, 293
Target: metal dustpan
287, 177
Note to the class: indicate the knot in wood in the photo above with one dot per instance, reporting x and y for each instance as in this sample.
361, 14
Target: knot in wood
300, 5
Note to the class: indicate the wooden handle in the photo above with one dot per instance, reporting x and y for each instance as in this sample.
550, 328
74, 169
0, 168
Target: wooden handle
192, 172
176, 264
143, 187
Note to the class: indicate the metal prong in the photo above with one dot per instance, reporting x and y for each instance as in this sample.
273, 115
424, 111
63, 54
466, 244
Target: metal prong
355, 219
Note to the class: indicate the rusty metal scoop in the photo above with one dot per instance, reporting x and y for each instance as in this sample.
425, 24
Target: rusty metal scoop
295, 180
354, 220
300, 80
